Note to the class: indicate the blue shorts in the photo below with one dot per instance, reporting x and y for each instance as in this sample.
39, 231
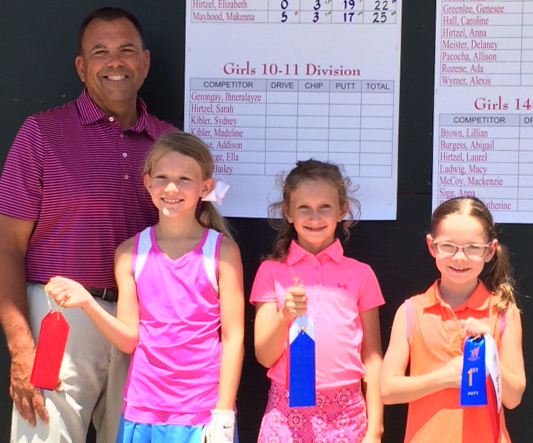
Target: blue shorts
131, 432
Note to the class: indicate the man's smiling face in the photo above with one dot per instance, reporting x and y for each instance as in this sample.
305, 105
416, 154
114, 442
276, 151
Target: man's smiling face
113, 63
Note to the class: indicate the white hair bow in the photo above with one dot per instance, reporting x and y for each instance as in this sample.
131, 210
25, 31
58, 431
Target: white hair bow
217, 193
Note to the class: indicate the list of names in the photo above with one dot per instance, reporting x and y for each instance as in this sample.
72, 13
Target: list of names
483, 125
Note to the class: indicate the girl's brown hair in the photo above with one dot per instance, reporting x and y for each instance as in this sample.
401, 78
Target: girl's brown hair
308, 170
499, 279
190, 146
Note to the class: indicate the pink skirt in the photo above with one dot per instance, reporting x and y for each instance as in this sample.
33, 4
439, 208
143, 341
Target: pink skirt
339, 416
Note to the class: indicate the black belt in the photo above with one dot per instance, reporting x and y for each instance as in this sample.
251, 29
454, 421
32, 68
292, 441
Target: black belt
107, 294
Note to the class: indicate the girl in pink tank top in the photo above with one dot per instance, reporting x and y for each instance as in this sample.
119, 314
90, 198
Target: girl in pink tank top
180, 310
429, 331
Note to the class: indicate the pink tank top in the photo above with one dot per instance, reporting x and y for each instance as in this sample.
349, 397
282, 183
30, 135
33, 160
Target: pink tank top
174, 371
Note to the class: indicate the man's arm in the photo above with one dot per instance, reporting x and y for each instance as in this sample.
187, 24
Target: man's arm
14, 316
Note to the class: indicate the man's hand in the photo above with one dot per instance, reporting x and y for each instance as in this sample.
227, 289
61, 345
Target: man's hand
16, 234
28, 399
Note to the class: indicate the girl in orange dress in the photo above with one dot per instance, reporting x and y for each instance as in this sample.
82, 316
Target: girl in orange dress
429, 330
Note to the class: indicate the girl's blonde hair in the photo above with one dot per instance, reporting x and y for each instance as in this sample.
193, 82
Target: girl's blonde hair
308, 170
190, 146
499, 279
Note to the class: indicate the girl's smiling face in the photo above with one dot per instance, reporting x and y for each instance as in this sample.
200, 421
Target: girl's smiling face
459, 269
176, 184
315, 210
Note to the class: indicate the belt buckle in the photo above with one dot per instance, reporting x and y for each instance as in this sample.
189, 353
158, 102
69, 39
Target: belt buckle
104, 293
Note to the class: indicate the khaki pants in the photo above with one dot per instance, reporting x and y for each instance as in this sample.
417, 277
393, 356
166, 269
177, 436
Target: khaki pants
93, 373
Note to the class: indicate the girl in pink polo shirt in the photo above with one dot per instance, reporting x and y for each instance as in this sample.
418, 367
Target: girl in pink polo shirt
307, 273
180, 309
429, 330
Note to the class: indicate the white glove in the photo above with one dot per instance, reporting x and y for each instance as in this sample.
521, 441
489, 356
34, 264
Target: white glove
221, 427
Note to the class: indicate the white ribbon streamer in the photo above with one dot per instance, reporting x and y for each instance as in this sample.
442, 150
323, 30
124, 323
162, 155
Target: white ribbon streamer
217, 193
493, 367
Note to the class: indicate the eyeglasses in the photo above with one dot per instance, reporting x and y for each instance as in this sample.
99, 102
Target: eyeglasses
446, 248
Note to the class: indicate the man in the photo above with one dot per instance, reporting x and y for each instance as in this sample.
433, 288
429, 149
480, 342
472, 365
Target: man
70, 192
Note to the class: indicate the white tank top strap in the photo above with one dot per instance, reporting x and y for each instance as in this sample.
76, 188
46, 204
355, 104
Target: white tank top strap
210, 253
143, 248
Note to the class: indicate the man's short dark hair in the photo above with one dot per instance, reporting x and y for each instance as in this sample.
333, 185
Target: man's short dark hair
109, 14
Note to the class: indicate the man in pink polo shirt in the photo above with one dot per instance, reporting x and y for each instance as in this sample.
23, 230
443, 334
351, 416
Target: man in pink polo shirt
70, 192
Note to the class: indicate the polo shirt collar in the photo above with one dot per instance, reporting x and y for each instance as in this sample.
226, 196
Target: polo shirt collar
478, 301
91, 113
297, 253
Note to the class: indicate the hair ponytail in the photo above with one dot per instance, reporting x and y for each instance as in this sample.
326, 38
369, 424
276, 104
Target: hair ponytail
500, 279
209, 217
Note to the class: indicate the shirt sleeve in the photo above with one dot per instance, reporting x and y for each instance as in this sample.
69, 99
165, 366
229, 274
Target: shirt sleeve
21, 183
263, 287
371, 296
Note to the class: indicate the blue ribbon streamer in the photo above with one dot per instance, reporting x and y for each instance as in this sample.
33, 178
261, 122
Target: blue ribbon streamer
474, 377
302, 365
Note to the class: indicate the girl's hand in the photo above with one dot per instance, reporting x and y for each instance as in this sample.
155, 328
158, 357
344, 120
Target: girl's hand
221, 427
371, 439
474, 328
67, 293
295, 303
453, 372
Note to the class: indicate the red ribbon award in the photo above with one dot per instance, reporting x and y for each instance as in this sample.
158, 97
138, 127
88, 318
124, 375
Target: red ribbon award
50, 349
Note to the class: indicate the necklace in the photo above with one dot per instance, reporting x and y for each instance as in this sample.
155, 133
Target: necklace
296, 278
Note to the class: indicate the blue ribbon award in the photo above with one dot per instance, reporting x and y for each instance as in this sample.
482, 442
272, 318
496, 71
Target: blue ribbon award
474, 378
302, 372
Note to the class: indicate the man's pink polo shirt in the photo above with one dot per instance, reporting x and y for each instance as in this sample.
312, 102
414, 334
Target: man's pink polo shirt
78, 175
338, 289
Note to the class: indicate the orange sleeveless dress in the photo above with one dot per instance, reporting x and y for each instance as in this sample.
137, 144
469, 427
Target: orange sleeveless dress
435, 339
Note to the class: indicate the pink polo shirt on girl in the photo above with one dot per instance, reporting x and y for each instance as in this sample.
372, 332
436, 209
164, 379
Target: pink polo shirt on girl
338, 289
